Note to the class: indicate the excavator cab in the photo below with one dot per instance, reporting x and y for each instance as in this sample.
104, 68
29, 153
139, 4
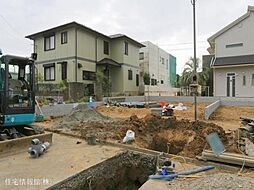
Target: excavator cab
17, 92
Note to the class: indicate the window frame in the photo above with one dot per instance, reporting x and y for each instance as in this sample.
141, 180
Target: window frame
244, 80
45, 42
62, 37
126, 48
130, 74
49, 66
252, 79
91, 75
141, 57
105, 47
234, 45
137, 79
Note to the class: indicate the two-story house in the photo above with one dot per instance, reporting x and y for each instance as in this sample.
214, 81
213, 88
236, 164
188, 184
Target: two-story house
160, 66
233, 62
74, 53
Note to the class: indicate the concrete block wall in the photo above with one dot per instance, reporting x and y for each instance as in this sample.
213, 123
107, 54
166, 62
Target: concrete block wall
211, 108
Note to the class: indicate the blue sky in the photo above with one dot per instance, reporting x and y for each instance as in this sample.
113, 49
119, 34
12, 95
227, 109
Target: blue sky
167, 23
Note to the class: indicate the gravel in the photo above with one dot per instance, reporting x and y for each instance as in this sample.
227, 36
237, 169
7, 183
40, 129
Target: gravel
60, 109
222, 181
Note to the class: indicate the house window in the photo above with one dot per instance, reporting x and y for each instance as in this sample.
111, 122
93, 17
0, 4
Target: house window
137, 79
252, 80
244, 80
162, 82
63, 37
49, 43
167, 64
234, 45
106, 48
141, 55
153, 82
64, 70
126, 48
162, 60
49, 72
129, 74
88, 75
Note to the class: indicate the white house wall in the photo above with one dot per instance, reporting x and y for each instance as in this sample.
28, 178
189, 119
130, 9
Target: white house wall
220, 81
243, 32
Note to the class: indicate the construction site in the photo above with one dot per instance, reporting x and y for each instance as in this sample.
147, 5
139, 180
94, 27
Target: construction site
125, 145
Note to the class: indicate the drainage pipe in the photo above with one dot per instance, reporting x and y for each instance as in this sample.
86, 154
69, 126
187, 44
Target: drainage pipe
169, 177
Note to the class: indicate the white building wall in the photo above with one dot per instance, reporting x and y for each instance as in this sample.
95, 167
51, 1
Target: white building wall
220, 81
158, 69
243, 32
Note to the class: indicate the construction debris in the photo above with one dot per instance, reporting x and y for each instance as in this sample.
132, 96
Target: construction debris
37, 148
230, 158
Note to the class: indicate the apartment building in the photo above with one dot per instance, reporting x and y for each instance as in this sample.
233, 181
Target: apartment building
74, 53
160, 66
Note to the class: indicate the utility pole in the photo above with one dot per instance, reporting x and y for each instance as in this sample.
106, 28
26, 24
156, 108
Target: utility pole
195, 80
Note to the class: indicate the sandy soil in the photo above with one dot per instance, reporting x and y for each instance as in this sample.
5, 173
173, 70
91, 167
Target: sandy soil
227, 117
123, 112
63, 159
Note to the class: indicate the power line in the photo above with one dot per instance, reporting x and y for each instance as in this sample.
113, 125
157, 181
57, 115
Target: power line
183, 43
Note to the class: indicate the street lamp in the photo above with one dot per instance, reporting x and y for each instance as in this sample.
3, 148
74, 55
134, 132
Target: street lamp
194, 79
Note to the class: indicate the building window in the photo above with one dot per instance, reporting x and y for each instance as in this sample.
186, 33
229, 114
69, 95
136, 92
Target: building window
244, 80
88, 75
234, 45
167, 64
129, 74
126, 48
162, 82
64, 70
252, 80
153, 82
106, 48
162, 60
141, 55
49, 72
63, 37
49, 43
137, 79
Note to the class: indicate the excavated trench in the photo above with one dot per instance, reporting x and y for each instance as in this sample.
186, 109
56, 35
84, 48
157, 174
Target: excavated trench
125, 171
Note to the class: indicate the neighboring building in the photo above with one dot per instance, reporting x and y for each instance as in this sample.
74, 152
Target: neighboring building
206, 63
172, 70
74, 53
233, 65
156, 62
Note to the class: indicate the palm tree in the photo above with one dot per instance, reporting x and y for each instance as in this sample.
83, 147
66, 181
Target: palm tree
187, 74
186, 78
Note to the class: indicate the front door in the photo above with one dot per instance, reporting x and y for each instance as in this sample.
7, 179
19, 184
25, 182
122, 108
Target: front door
231, 84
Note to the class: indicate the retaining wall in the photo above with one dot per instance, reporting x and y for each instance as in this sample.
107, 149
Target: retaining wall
211, 108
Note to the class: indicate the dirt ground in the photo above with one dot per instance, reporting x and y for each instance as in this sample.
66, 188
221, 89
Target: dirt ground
63, 159
175, 136
122, 112
229, 116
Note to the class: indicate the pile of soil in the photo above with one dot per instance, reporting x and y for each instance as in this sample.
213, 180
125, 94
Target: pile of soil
181, 137
81, 115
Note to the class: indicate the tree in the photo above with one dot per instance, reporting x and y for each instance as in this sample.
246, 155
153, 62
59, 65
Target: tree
186, 78
146, 79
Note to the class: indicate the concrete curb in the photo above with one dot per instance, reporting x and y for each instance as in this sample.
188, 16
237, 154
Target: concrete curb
211, 108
